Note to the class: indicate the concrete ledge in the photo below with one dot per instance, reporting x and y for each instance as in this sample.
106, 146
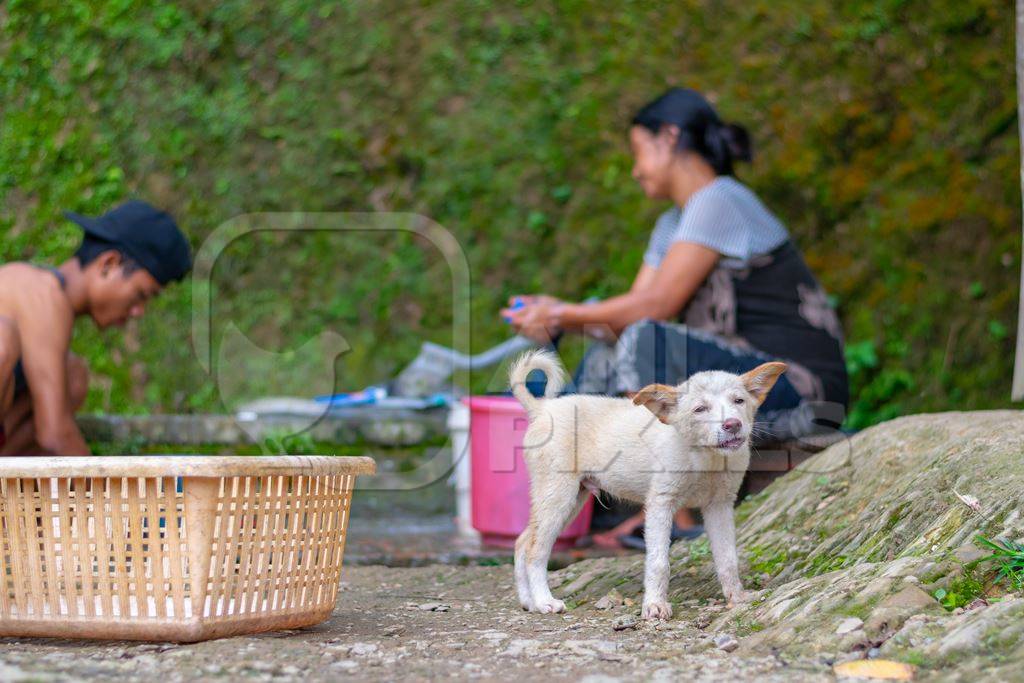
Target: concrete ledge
385, 427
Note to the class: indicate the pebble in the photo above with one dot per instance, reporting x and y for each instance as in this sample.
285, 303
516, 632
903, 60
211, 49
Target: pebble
726, 642
494, 635
611, 599
434, 607
626, 621
848, 626
702, 621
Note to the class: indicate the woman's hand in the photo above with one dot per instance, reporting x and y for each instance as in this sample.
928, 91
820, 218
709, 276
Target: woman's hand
538, 318
530, 299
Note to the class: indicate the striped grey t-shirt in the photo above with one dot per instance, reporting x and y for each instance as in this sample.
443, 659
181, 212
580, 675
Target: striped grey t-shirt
726, 216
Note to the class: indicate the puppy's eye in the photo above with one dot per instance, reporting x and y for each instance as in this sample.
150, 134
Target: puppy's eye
738, 400
700, 409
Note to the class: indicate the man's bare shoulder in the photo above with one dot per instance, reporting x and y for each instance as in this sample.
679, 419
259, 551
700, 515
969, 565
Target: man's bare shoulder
26, 290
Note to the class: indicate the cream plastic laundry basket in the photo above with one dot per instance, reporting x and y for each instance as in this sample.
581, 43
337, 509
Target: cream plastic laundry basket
180, 548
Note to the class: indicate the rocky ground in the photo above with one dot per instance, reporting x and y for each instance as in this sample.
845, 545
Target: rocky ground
847, 555
426, 623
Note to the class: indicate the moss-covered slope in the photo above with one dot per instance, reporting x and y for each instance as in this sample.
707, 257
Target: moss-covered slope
884, 131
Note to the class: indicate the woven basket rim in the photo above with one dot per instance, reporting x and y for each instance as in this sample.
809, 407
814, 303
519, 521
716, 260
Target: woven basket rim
183, 465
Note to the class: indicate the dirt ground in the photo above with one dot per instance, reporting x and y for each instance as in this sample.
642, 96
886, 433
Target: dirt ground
425, 623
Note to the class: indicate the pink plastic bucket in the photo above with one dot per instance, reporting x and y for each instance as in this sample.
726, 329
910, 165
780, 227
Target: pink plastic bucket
500, 482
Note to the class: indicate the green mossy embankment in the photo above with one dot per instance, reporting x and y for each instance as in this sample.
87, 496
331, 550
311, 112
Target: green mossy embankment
885, 134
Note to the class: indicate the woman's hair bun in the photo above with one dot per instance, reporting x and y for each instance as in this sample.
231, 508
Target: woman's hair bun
738, 140
701, 130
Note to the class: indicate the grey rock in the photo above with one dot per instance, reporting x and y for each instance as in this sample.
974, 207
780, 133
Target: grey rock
13, 673
969, 552
963, 639
910, 597
611, 599
848, 625
522, 646
727, 642
378, 425
434, 607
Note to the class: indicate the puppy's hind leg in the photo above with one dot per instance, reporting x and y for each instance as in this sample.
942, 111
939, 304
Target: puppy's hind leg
524, 541
553, 503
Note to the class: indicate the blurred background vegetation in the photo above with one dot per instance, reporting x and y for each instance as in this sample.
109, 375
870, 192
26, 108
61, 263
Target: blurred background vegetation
885, 133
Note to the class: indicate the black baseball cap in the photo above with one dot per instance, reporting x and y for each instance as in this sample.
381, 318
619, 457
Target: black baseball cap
147, 235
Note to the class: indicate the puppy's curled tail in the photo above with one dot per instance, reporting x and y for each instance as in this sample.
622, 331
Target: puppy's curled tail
545, 361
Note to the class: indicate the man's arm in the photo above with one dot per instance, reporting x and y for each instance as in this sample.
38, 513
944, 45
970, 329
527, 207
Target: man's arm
45, 325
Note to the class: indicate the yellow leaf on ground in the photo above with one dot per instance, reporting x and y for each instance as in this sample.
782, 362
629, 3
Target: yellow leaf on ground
876, 668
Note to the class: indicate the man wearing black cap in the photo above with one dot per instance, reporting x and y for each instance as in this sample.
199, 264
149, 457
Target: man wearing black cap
126, 258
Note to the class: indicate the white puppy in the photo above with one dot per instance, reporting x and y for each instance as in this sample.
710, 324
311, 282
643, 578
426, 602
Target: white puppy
690, 447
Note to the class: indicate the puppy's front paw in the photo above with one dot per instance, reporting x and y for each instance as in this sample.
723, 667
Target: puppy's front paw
656, 609
550, 606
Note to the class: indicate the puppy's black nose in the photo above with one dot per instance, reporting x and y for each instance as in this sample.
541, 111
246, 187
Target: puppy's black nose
732, 425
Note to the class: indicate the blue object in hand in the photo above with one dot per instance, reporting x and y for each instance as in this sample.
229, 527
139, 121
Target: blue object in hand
517, 303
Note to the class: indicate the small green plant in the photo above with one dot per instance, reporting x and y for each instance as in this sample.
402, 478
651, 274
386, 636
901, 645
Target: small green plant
133, 445
915, 657
1009, 555
491, 561
745, 627
699, 549
823, 564
283, 442
769, 564
960, 593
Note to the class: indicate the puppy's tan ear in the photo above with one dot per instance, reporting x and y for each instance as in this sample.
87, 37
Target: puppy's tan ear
761, 379
660, 399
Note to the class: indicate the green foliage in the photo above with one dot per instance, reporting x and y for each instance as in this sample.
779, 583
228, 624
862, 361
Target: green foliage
699, 549
767, 561
961, 592
284, 442
885, 135
823, 564
1009, 556
916, 657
